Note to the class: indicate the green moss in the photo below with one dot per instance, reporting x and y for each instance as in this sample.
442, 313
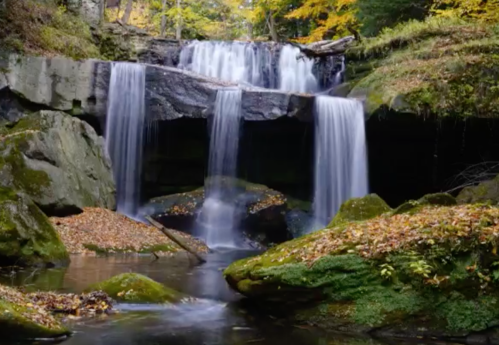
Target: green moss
357, 209
166, 248
469, 315
136, 288
440, 199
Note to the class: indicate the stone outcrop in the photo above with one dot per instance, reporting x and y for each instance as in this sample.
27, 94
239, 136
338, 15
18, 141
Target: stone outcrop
92, 11
58, 160
486, 192
28, 238
81, 88
262, 212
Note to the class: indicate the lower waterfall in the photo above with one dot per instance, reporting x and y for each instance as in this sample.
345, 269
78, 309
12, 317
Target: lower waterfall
340, 156
219, 215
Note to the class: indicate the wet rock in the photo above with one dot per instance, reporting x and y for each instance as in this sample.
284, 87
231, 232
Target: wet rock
58, 160
27, 237
262, 211
136, 288
357, 209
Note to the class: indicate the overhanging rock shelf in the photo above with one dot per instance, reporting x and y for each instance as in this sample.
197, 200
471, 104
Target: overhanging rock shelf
81, 88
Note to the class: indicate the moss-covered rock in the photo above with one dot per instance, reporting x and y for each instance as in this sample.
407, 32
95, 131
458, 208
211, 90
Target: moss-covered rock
357, 209
427, 273
136, 288
438, 199
441, 66
58, 160
26, 236
487, 192
20, 319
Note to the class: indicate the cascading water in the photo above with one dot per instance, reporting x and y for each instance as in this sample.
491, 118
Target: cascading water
340, 155
295, 73
218, 217
251, 63
125, 131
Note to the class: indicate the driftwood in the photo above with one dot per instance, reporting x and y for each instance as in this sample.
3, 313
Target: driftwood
175, 239
325, 48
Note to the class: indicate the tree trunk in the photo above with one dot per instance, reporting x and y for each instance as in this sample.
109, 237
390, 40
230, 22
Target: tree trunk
128, 12
178, 34
272, 28
249, 24
119, 10
163, 19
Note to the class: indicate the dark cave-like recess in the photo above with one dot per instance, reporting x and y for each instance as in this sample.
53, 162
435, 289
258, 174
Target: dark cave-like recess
408, 155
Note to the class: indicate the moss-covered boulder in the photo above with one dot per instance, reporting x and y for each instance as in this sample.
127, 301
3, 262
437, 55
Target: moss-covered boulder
487, 192
58, 160
26, 236
20, 318
357, 209
136, 288
431, 273
441, 66
438, 199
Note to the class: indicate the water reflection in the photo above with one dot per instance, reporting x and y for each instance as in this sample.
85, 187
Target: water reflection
211, 319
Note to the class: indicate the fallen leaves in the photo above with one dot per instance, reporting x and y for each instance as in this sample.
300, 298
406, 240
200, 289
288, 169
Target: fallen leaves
113, 232
385, 234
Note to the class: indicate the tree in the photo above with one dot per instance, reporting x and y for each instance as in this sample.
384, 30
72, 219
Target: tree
377, 14
329, 18
482, 10
128, 12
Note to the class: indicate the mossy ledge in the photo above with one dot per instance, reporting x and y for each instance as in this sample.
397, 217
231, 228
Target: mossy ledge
428, 273
136, 288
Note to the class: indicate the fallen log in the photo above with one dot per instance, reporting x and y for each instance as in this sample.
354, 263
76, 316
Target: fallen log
175, 239
325, 48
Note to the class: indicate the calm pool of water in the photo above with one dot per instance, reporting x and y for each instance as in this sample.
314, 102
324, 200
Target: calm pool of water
214, 319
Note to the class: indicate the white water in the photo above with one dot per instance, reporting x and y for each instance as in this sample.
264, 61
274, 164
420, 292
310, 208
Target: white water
295, 72
218, 217
250, 63
125, 131
340, 155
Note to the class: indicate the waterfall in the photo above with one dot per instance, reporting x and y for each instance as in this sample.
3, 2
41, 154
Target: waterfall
125, 131
218, 217
340, 155
251, 63
295, 73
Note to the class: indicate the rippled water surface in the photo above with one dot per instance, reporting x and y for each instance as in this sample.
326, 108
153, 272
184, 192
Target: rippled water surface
215, 318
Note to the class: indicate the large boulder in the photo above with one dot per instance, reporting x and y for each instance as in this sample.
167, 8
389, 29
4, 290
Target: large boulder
92, 11
261, 211
487, 191
58, 160
357, 209
438, 199
26, 236
389, 275
136, 288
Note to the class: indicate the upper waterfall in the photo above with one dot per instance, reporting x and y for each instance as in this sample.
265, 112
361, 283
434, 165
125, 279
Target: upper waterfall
262, 65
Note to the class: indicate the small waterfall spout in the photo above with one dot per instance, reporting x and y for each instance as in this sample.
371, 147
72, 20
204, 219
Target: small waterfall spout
340, 155
295, 72
125, 131
219, 215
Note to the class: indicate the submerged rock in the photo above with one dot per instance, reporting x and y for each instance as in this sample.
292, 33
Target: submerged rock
389, 275
357, 209
58, 160
487, 191
27, 237
136, 288
262, 211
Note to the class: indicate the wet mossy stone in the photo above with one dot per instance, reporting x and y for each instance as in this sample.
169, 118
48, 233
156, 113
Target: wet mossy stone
27, 237
136, 288
357, 209
17, 321
485, 192
437, 199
